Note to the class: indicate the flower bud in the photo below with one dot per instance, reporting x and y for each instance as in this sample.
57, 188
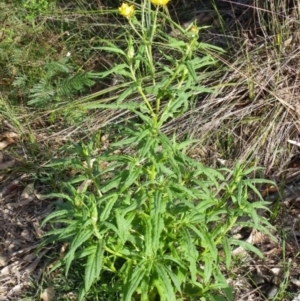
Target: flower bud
130, 51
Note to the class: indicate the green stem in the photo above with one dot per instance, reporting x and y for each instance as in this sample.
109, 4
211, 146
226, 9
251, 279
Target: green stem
187, 55
144, 97
135, 30
117, 254
149, 43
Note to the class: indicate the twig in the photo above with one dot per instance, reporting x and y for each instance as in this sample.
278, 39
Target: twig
293, 142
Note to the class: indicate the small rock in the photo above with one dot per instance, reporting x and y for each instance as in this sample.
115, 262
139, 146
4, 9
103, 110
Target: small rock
272, 292
3, 260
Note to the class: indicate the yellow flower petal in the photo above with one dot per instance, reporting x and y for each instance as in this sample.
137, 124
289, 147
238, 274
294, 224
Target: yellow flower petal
194, 29
160, 2
126, 10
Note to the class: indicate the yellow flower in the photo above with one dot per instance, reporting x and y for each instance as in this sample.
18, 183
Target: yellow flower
194, 29
160, 2
126, 10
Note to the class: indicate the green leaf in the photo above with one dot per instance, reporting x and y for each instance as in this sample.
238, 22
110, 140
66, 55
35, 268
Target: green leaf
59, 196
147, 145
191, 254
144, 110
211, 173
191, 68
120, 106
148, 235
260, 181
206, 240
77, 179
157, 220
251, 170
208, 47
55, 215
132, 203
112, 49
163, 283
109, 205
173, 108
123, 142
111, 184
53, 234
78, 241
215, 297
82, 293
228, 293
94, 265
208, 267
134, 172
186, 143
144, 289
193, 289
111, 227
135, 280
204, 205
227, 252
246, 246
124, 224
254, 215
71, 230
261, 205
178, 187
198, 62
86, 252
123, 73
171, 258
104, 74
128, 92
56, 265
174, 279
176, 43
249, 184
120, 158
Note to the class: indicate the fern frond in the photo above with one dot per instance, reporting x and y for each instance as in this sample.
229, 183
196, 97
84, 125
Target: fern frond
75, 83
41, 92
59, 81
56, 68
20, 81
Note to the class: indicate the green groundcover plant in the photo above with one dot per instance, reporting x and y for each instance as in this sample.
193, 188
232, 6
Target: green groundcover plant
146, 221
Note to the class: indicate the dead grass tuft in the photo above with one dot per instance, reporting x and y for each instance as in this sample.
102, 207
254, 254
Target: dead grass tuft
256, 108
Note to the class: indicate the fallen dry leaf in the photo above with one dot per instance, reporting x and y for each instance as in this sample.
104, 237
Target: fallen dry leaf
28, 192
48, 294
7, 164
7, 139
9, 269
3, 260
9, 136
3, 144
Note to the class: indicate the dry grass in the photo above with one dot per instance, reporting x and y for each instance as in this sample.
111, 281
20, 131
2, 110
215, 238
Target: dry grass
257, 107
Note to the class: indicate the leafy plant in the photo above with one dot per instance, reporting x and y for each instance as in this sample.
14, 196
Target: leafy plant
155, 220
151, 218
58, 82
35, 7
